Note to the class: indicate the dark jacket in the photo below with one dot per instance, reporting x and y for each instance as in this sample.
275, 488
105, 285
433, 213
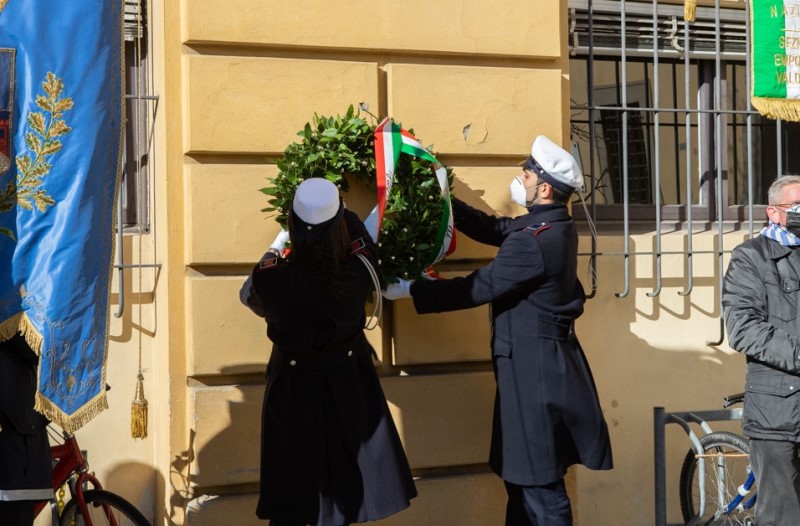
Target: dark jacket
760, 300
547, 415
330, 452
25, 472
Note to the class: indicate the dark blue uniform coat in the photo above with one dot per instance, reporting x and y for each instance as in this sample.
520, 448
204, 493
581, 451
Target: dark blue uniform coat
547, 415
25, 469
330, 452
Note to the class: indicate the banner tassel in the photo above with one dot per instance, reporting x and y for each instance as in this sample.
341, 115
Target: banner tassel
139, 410
690, 10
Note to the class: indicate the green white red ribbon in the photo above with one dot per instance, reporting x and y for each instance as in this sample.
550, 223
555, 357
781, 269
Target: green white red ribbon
390, 142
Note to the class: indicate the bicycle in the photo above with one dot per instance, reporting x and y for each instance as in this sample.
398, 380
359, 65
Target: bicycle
86, 507
726, 495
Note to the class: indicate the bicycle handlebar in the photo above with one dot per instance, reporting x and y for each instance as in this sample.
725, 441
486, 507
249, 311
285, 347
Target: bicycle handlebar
733, 399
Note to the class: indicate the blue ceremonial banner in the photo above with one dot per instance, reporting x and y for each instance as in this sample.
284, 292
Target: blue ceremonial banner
61, 127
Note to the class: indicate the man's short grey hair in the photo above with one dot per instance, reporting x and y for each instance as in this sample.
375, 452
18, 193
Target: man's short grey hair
776, 188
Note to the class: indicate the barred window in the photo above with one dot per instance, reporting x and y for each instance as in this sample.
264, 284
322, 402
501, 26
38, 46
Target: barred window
139, 110
660, 114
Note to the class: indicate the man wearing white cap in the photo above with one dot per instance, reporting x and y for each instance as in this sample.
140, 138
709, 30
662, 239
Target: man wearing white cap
330, 452
547, 416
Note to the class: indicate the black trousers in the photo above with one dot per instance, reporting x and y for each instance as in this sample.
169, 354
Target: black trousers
776, 465
546, 505
16, 512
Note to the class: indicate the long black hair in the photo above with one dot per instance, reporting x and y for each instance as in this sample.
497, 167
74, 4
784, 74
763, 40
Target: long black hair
322, 259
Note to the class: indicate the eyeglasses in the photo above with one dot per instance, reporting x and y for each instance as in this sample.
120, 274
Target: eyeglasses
784, 207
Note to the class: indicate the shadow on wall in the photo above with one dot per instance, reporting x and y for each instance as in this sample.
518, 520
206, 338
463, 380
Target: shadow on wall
118, 480
216, 478
648, 352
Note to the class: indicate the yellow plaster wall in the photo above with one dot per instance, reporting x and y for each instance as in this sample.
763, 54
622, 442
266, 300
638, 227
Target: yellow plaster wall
257, 104
502, 107
465, 26
252, 74
649, 352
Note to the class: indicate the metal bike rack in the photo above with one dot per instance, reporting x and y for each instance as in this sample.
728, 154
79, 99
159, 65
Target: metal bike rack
660, 421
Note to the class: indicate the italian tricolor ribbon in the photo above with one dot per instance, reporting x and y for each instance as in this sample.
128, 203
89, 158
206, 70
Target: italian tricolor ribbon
775, 58
390, 142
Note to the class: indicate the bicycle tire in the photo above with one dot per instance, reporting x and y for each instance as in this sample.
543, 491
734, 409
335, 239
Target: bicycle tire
125, 513
735, 472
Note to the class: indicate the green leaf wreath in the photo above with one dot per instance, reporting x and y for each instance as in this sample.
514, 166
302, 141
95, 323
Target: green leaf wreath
341, 148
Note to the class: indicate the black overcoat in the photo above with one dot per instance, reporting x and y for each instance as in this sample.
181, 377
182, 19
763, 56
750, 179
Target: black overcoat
547, 415
25, 468
330, 452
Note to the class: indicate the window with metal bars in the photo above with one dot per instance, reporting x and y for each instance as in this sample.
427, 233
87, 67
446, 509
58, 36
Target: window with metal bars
139, 103
660, 114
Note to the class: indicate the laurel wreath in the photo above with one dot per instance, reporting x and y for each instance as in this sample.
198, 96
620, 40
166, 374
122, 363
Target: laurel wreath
341, 149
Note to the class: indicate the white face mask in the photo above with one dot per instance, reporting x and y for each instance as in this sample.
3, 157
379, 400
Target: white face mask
518, 192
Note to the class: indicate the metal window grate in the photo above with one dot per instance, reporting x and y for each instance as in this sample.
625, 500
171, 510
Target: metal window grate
134, 19
662, 120
606, 20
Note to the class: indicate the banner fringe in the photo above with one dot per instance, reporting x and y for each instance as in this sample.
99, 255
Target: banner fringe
71, 423
785, 109
19, 323
31, 334
10, 327
690, 10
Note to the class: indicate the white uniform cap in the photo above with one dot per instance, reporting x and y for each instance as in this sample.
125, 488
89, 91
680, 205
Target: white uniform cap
554, 165
316, 201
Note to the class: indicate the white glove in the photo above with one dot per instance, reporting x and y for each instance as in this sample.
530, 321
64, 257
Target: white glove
279, 244
395, 291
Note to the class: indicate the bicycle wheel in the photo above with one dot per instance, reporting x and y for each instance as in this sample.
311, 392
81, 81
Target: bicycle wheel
727, 467
105, 508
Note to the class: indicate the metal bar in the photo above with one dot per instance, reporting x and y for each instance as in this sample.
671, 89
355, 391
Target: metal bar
653, 253
667, 110
660, 420
749, 121
149, 265
637, 8
668, 53
675, 127
624, 145
718, 146
779, 144
121, 305
142, 97
701, 464
687, 102
592, 139
659, 456
657, 135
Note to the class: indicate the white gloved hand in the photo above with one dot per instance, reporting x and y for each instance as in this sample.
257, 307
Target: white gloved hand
395, 291
279, 244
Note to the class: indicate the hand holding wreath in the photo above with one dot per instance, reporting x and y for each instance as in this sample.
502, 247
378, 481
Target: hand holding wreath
414, 231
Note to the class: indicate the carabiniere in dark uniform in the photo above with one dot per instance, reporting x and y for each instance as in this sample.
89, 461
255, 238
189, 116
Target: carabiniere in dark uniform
330, 451
547, 415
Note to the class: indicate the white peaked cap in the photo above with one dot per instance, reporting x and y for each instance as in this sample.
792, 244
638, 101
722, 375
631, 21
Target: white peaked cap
316, 201
554, 165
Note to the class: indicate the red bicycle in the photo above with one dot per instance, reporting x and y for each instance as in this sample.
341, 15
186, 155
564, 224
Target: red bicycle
86, 507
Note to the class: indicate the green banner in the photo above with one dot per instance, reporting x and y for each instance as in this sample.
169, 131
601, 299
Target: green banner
775, 58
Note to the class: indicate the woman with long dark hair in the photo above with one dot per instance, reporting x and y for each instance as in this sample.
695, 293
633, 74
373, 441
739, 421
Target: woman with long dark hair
330, 452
